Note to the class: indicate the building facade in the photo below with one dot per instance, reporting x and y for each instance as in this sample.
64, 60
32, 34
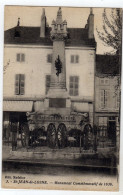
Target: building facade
55, 70
107, 96
30, 78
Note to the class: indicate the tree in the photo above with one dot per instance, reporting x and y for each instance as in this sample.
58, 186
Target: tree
6, 66
112, 36
112, 29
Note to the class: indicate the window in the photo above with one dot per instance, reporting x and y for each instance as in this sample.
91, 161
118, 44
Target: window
48, 79
19, 84
104, 81
103, 121
49, 58
112, 118
117, 100
74, 59
20, 57
104, 98
74, 85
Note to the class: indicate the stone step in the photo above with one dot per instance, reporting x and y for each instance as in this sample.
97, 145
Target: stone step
50, 155
105, 144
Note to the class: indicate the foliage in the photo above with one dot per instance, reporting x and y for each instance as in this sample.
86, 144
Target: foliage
6, 66
112, 29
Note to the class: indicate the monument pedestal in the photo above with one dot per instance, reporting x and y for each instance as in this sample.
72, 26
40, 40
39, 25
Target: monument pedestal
57, 93
57, 101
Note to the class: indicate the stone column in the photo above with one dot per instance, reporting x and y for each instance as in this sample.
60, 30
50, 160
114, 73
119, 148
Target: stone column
58, 81
58, 69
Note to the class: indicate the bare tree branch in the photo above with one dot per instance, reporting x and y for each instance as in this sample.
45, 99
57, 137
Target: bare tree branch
112, 29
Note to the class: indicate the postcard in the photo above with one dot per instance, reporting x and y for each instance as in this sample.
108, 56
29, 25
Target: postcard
61, 98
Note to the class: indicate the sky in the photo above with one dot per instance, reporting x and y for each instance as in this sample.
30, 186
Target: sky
75, 17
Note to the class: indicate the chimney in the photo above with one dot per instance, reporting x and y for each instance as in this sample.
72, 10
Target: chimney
18, 23
43, 24
17, 29
91, 24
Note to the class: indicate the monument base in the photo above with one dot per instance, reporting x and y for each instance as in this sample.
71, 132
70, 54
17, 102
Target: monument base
57, 93
57, 101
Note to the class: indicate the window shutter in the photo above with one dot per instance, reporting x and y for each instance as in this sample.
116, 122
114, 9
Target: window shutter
76, 79
71, 79
49, 58
76, 85
17, 78
22, 57
71, 92
77, 59
18, 57
118, 99
72, 58
22, 84
106, 98
48, 79
102, 98
73, 85
75, 92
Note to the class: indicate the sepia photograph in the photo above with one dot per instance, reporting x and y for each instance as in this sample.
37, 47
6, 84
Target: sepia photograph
61, 98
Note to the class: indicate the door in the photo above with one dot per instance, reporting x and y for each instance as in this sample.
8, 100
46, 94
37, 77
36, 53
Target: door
112, 129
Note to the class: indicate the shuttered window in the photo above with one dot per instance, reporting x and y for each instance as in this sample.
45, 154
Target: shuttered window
74, 86
17, 81
20, 57
22, 84
74, 59
77, 59
104, 96
19, 84
49, 58
103, 121
48, 80
117, 99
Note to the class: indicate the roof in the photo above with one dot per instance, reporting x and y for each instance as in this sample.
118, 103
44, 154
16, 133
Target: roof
107, 64
31, 35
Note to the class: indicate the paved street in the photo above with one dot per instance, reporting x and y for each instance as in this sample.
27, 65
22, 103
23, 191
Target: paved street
67, 157
90, 167
53, 174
